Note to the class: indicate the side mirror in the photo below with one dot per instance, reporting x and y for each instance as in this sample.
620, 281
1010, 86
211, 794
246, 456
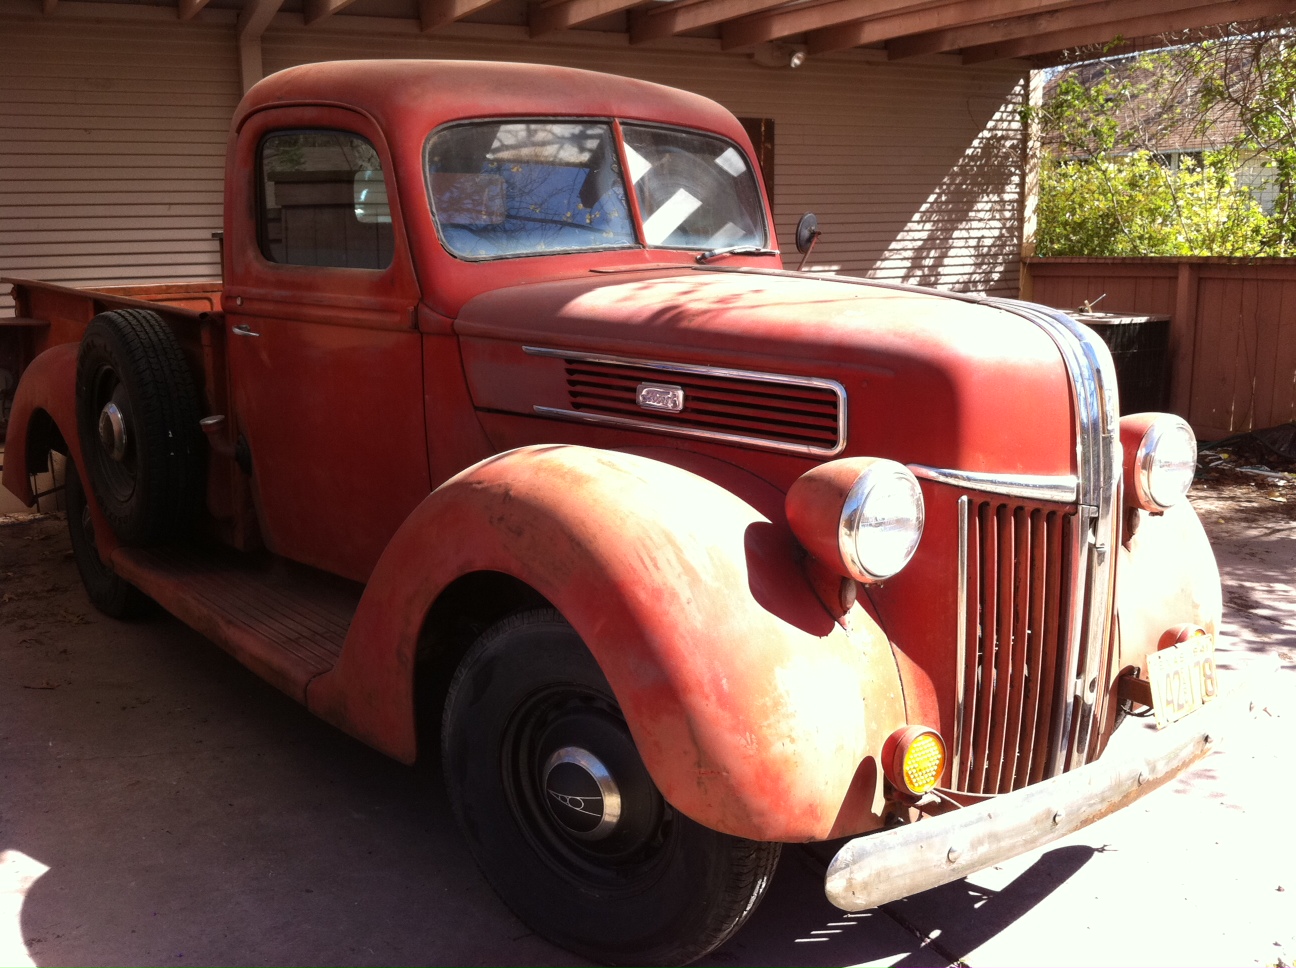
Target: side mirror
807, 234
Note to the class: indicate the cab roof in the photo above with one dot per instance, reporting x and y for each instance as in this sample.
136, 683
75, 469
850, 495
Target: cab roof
428, 93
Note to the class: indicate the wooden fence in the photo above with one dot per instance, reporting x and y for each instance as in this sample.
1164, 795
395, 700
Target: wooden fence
1232, 355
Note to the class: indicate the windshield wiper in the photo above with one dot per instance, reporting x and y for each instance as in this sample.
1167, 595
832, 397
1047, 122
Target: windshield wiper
710, 254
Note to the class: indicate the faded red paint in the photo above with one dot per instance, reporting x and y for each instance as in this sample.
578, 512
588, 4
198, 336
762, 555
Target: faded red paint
395, 440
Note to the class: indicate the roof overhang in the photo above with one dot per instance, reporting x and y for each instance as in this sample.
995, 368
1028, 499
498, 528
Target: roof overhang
1043, 32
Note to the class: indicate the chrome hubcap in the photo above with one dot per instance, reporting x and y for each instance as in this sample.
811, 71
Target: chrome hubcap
112, 432
581, 794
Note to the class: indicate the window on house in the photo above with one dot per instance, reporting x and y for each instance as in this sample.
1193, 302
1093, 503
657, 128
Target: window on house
761, 132
323, 201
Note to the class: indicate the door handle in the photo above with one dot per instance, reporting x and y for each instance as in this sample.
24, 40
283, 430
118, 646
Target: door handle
243, 329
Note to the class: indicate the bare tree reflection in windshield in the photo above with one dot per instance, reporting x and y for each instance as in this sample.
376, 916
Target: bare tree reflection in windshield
525, 188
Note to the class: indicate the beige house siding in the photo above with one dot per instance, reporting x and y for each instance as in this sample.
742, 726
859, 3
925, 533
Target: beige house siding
112, 139
112, 150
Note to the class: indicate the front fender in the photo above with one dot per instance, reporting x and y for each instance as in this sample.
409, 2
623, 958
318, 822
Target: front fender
754, 711
1166, 575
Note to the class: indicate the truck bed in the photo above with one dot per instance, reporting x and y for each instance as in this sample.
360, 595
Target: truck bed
47, 314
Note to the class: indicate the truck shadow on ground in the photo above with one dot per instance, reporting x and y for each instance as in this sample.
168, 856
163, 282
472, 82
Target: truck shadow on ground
797, 926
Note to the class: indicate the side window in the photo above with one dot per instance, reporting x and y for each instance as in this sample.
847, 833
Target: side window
323, 201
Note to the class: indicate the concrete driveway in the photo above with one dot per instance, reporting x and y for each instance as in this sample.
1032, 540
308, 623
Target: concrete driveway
160, 805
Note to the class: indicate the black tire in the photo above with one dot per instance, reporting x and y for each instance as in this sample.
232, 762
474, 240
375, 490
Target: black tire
148, 478
529, 718
108, 592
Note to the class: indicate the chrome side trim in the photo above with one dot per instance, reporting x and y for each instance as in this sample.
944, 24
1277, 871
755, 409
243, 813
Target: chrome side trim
690, 368
1098, 460
1061, 489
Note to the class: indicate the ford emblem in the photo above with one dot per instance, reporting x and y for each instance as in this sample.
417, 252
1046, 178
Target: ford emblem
660, 396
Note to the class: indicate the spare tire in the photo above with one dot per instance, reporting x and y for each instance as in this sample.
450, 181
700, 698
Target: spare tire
137, 421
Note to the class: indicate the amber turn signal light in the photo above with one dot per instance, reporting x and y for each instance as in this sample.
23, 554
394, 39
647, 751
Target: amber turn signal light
913, 759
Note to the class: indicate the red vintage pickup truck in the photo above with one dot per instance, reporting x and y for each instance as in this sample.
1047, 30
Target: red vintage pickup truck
508, 436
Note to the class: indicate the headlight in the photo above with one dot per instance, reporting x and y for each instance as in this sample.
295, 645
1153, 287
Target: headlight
862, 516
1160, 459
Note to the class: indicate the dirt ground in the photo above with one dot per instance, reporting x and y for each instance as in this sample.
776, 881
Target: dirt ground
160, 805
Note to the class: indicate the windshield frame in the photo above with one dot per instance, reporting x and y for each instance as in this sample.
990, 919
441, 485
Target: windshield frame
622, 168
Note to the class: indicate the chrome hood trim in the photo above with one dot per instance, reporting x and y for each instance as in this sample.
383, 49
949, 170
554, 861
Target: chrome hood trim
1062, 488
1098, 461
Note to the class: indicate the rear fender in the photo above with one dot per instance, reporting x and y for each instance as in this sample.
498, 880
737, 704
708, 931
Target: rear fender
754, 711
48, 387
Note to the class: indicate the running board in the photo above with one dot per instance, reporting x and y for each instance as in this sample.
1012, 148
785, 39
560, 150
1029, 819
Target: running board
284, 621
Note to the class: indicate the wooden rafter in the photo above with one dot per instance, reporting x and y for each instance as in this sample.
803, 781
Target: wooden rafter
664, 20
314, 10
1149, 25
1045, 31
188, 9
1066, 18
438, 13
565, 14
256, 17
949, 15
778, 24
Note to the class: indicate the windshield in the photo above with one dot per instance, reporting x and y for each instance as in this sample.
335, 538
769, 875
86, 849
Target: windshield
501, 189
695, 191
529, 187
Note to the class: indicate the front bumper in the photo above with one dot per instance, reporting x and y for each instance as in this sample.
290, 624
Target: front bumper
886, 866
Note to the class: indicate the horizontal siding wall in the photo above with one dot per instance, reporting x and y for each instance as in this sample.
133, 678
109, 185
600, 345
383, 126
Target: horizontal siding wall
112, 150
112, 143
913, 169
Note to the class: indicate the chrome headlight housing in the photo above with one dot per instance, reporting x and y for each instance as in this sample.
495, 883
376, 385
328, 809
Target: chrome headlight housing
881, 521
1160, 459
862, 516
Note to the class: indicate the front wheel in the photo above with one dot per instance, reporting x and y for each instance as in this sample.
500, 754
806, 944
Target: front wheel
108, 591
562, 817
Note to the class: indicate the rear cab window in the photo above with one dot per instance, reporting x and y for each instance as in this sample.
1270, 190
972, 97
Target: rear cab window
322, 201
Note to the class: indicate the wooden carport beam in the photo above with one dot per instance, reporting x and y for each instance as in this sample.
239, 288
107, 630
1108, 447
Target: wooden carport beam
252, 22
188, 9
1151, 25
438, 13
751, 31
1068, 18
558, 15
663, 20
314, 10
947, 15
47, 6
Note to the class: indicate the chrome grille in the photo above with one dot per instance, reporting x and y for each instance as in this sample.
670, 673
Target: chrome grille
1016, 667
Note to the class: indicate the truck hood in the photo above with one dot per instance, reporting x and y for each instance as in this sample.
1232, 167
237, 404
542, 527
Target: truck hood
929, 378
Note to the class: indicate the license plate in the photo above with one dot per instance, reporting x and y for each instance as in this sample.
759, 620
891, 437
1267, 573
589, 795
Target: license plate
1182, 678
